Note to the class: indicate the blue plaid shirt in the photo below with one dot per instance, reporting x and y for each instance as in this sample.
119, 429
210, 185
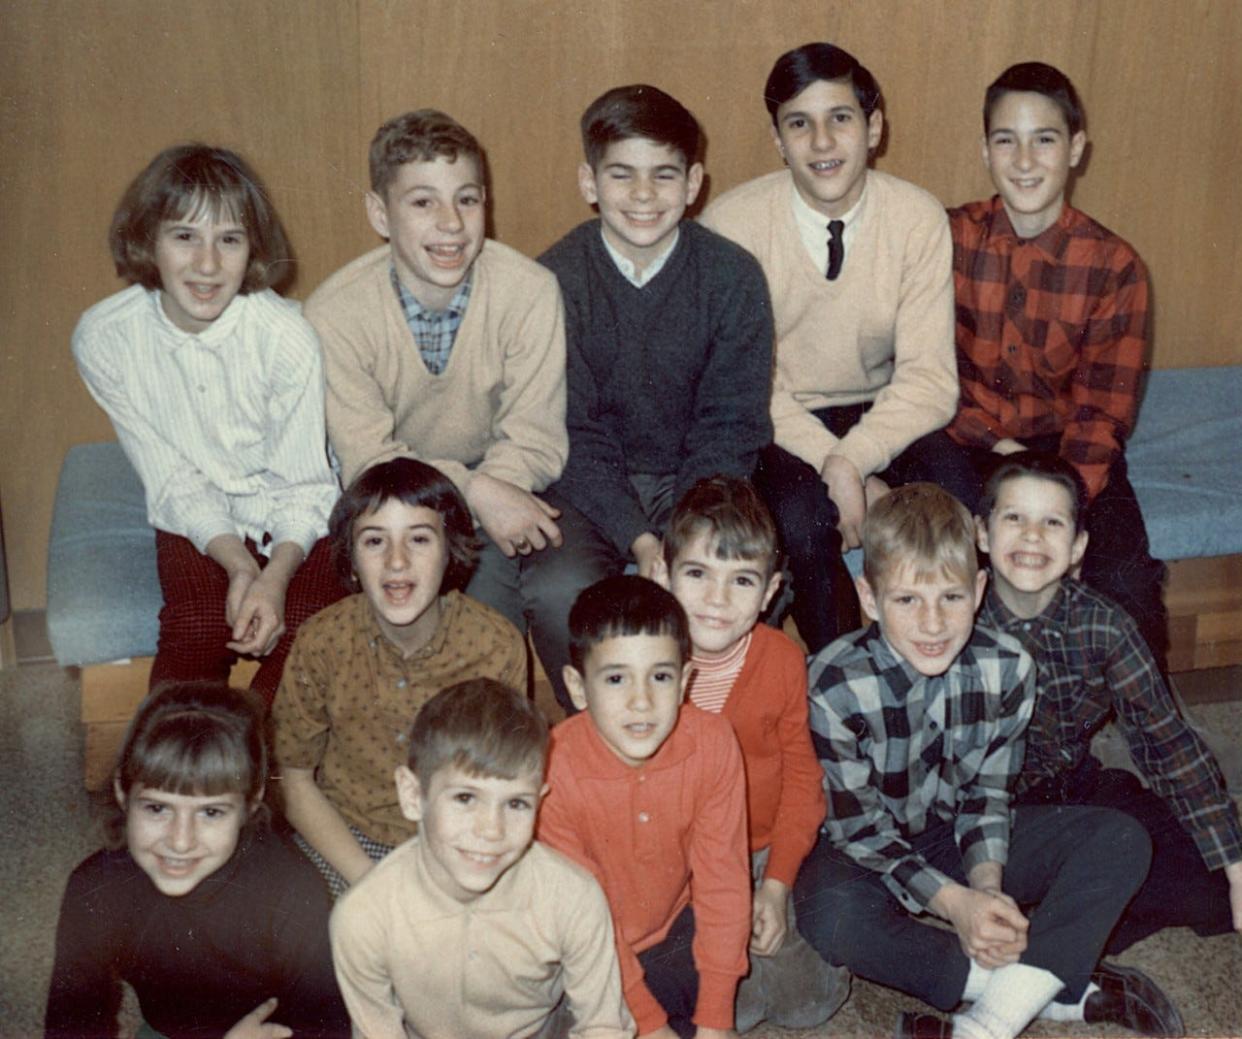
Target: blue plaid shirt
434, 330
902, 752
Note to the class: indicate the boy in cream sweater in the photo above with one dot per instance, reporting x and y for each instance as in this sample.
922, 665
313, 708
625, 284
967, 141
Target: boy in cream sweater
859, 267
448, 347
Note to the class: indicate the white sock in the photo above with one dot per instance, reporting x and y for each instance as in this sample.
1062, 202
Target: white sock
976, 981
1012, 997
1069, 1011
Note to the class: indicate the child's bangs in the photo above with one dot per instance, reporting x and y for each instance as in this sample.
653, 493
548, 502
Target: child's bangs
189, 755
497, 758
221, 203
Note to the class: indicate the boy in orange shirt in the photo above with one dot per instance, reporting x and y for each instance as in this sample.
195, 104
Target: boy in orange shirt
650, 795
723, 566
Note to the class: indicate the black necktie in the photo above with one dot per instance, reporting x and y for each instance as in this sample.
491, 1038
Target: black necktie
836, 248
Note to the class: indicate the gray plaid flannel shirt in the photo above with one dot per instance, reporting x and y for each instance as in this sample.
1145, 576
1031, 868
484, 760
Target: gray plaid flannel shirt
903, 752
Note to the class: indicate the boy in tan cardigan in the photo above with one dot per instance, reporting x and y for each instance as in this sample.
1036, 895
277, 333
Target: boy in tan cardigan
859, 268
449, 347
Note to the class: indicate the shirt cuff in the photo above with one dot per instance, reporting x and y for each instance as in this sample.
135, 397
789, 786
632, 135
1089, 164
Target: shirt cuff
645, 1008
717, 993
304, 535
202, 534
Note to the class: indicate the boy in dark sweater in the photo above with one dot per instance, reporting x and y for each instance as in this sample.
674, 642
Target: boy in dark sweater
669, 336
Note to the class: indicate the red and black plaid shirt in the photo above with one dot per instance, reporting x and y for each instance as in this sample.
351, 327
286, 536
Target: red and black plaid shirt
1051, 334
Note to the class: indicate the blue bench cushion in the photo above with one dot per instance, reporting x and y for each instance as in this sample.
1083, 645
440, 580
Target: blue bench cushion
1185, 460
103, 592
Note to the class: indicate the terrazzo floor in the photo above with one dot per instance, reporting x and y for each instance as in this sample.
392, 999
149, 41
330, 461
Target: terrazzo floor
47, 827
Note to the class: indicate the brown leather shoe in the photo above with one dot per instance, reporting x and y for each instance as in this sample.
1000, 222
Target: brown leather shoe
1129, 998
911, 1025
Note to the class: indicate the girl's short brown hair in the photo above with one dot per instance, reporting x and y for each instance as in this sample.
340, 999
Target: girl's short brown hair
416, 484
187, 180
198, 739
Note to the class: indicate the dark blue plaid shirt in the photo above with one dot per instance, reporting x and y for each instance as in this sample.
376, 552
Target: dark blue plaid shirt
434, 330
1091, 665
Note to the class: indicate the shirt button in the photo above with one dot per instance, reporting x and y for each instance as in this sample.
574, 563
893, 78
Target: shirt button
642, 777
643, 817
202, 388
1012, 348
402, 683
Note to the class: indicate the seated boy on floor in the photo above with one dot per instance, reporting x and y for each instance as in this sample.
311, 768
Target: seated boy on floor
449, 347
469, 929
723, 566
650, 795
858, 263
1092, 665
1052, 325
669, 340
918, 721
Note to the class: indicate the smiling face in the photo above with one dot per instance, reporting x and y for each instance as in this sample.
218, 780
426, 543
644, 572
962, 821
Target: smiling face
926, 617
1029, 152
632, 686
642, 189
722, 597
179, 840
399, 556
432, 214
472, 828
825, 138
1032, 542
202, 260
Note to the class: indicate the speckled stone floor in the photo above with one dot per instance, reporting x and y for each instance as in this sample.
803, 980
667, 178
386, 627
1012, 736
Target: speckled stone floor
46, 828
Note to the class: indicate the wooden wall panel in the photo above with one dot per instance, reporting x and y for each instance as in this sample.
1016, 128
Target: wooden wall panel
90, 89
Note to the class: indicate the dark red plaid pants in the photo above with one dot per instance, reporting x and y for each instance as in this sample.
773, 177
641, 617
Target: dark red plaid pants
193, 632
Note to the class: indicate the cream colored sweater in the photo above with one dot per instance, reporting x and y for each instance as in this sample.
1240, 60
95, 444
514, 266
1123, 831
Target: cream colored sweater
499, 406
882, 332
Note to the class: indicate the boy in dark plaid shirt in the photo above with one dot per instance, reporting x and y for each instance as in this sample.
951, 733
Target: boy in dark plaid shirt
918, 722
1052, 325
1092, 665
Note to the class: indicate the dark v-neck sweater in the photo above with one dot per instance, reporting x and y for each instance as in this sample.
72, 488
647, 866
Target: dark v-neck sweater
669, 379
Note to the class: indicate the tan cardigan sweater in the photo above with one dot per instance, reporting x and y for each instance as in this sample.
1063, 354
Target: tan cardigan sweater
882, 332
499, 406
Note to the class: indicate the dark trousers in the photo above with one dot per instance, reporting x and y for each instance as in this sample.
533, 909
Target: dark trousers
671, 976
806, 519
1118, 560
554, 577
1072, 870
1180, 891
193, 633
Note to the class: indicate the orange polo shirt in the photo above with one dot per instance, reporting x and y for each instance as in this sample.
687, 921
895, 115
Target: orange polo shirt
666, 834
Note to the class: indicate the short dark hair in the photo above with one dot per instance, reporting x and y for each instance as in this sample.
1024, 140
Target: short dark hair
1044, 465
416, 484
620, 606
420, 136
639, 110
730, 511
797, 69
1037, 78
183, 182
482, 727
198, 739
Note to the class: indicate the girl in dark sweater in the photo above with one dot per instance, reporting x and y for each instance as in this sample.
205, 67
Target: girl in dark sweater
219, 927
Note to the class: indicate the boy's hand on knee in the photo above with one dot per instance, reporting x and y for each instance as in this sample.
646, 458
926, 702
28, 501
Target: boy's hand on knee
769, 922
1008, 446
648, 551
517, 521
875, 489
989, 924
663, 1032
256, 1026
845, 488
1233, 872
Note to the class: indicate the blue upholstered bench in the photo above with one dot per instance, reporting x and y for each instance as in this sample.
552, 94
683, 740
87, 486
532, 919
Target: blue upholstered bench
1185, 463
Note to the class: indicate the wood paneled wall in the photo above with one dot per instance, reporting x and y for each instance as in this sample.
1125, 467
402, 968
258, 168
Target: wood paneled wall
91, 89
